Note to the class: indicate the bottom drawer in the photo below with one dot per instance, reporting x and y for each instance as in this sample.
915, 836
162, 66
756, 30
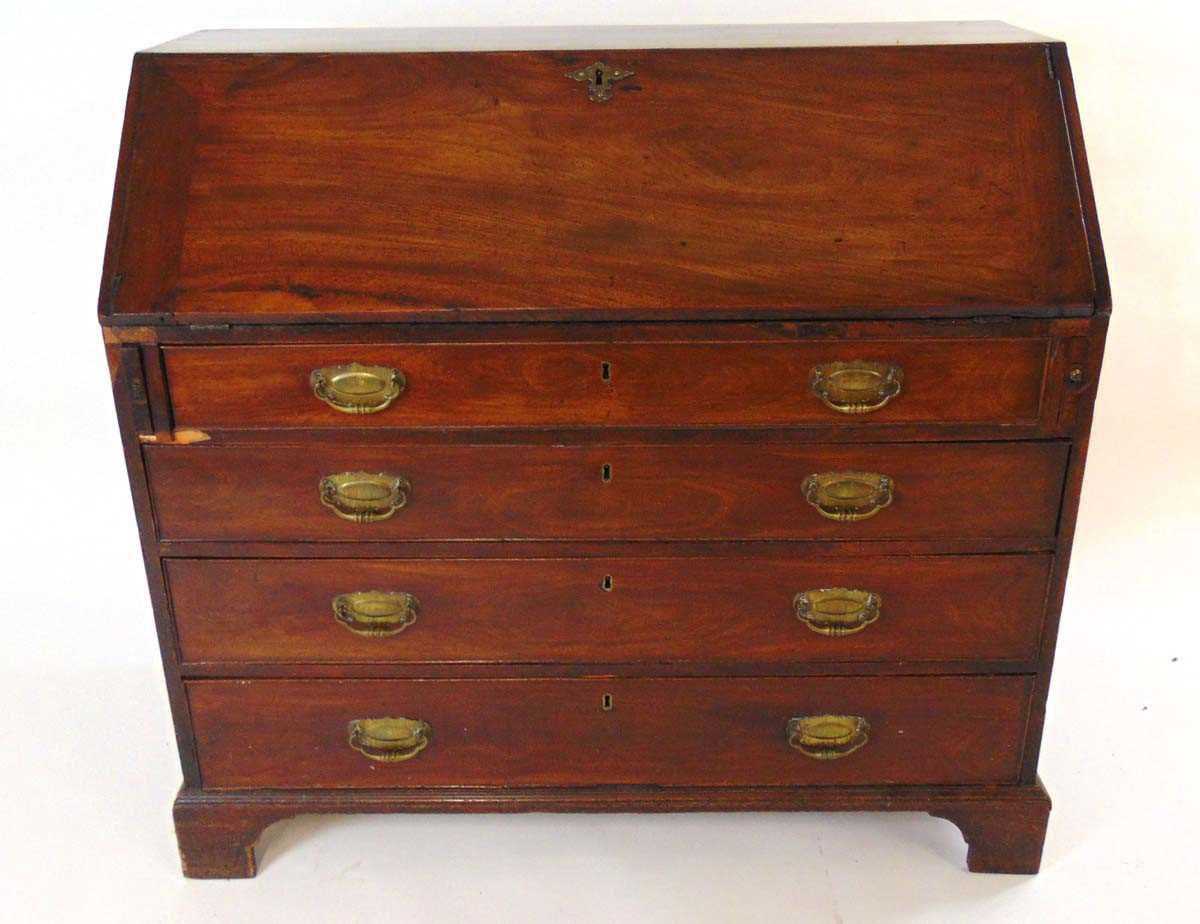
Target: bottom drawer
576, 732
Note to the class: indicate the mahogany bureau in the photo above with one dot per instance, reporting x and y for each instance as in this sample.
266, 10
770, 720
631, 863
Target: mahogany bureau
606, 420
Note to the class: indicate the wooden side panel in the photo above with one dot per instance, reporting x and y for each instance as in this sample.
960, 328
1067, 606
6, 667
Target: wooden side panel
822, 182
992, 381
952, 491
293, 734
580, 611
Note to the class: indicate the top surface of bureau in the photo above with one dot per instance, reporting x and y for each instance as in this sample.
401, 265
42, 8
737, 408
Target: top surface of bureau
812, 173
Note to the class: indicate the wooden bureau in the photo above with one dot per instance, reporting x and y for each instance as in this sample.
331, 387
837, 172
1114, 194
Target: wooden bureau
663, 419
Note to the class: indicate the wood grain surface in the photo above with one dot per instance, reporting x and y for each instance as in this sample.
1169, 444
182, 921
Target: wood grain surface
924, 181
942, 490
573, 612
291, 734
994, 381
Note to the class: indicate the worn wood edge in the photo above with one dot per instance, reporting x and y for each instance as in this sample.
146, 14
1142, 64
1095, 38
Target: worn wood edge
1004, 826
181, 436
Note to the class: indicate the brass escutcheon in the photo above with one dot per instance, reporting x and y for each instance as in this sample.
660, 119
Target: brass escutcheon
848, 496
857, 386
357, 389
363, 497
599, 78
375, 613
827, 737
837, 611
389, 739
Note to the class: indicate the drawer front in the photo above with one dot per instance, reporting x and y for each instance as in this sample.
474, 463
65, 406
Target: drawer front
678, 731
611, 610
728, 384
735, 491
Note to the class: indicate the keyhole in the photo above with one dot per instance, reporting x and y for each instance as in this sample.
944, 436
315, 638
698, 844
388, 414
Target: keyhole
606, 372
606, 702
607, 583
606, 473
599, 77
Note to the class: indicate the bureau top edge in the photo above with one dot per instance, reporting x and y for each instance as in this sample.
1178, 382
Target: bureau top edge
582, 37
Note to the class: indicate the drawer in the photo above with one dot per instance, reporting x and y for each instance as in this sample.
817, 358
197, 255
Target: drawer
728, 491
691, 384
764, 610
662, 731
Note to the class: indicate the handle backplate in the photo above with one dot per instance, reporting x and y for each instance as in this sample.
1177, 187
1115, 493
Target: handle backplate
857, 386
389, 739
375, 613
837, 611
848, 496
357, 389
827, 737
364, 497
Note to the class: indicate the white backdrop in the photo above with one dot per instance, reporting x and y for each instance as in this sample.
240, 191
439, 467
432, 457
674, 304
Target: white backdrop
87, 765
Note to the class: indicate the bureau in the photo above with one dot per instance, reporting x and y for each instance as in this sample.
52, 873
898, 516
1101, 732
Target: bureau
663, 419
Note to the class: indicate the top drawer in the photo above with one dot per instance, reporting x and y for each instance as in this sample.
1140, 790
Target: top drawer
817, 383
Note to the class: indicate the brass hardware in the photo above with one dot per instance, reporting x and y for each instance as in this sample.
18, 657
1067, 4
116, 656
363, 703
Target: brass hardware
599, 78
856, 387
375, 613
606, 582
606, 473
357, 389
837, 611
389, 740
362, 497
1075, 376
848, 496
606, 372
606, 702
827, 737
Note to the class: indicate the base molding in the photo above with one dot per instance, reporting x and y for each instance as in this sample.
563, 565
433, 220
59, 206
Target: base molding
1004, 826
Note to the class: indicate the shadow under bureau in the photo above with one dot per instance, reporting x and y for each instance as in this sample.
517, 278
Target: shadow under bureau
606, 420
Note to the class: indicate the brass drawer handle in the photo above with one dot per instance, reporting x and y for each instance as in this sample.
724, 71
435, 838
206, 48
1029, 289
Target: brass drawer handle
827, 737
848, 496
362, 497
357, 389
837, 611
389, 740
375, 613
856, 387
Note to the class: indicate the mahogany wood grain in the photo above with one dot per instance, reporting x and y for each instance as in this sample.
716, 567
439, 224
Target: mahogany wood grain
1004, 825
927, 181
731, 218
576, 612
984, 381
292, 734
976, 490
